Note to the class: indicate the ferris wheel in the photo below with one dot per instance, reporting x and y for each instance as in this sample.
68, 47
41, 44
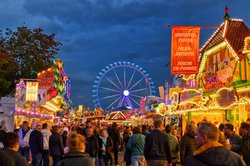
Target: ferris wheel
121, 84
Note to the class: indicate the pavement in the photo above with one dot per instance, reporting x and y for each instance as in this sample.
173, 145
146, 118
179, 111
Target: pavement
120, 160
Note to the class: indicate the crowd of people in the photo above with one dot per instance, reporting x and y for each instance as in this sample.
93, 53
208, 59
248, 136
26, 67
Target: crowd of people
89, 144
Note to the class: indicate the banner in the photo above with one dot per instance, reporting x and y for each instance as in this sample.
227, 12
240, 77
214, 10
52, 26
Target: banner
185, 50
31, 91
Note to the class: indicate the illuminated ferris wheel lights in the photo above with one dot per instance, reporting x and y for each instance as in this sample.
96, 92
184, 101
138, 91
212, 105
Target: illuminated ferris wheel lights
121, 84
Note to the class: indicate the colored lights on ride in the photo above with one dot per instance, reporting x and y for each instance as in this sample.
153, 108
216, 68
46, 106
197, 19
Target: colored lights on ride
239, 97
33, 114
246, 45
19, 88
60, 81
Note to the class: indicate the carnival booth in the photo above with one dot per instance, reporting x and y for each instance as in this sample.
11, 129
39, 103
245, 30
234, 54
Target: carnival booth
221, 89
39, 100
116, 116
7, 107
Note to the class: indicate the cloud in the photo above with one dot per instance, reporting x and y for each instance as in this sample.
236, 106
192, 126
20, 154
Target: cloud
96, 33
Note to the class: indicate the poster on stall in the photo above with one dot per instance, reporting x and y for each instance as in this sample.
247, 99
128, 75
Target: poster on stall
42, 94
185, 50
31, 91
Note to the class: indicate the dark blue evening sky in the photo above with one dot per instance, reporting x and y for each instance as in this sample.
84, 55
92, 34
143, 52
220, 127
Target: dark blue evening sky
96, 33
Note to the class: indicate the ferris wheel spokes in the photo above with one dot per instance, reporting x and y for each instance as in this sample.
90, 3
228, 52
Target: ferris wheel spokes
121, 101
118, 79
136, 83
114, 90
124, 78
138, 90
113, 83
131, 79
136, 96
129, 102
134, 101
108, 97
113, 102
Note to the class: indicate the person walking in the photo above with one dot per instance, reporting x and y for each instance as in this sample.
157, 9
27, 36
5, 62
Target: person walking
80, 129
92, 145
46, 134
127, 155
245, 145
210, 151
87, 125
2, 133
114, 133
105, 148
76, 155
3, 126
188, 143
234, 140
24, 136
11, 146
145, 130
64, 138
56, 148
36, 146
136, 146
174, 145
157, 149
222, 138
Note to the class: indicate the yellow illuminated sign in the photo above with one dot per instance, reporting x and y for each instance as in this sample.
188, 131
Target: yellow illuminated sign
31, 91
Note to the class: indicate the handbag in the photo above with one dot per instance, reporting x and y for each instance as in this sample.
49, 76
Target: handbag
109, 153
128, 152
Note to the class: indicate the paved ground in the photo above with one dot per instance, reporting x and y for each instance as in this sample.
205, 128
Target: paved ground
120, 160
122, 163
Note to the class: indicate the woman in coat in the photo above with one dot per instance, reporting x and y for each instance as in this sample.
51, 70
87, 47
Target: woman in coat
174, 145
76, 155
136, 146
105, 148
188, 143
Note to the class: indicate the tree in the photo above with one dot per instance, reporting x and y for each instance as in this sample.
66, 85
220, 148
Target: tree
27, 52
7, 73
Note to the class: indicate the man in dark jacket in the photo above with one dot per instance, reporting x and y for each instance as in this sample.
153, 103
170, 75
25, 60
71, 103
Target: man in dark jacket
6, 158
245, 145
36, 146
56, 148
80, 130
234, 139
157, 150
11, 146
127, 155
210, 151
2, 133
92, 146
88, 124
114, 133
